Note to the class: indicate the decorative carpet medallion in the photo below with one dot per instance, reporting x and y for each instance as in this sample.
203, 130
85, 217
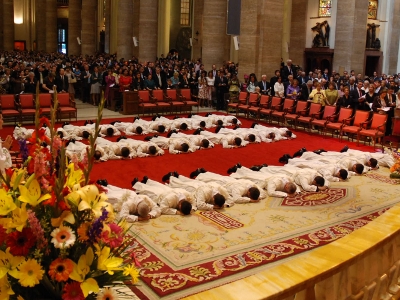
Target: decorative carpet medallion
382, 178
221, 219
329, 196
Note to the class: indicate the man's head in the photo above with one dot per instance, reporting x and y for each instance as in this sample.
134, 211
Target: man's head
161, 129
290, 188
143, 209
184, 147
185, 207
253, 193
152, 150
110, 131
85, 134
288, 133
343, 174
183, 126
202, 124
219, 200
205, 143
252, 138
97, 155
238, 141
271, 136
234, 121
358, 168
373, 163
125, 152
60, 134
319, 181
139, 130
220, 123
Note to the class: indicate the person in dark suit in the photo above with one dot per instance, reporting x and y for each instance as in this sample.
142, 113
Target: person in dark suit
288, 70
149, 69
358, 96
30, 84
302, 78
264, 85
160, 79
221, 85
273, 80
306, 89
86, 83
62, 82
346, 100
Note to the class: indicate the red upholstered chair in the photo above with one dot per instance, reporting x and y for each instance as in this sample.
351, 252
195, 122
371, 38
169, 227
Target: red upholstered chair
265, 101
374, 128
335, 122
159, 99
301, 107
252, 101
145, 102
10, 108
242, 99
320, 123
314, 111
172, 97
288, 107
275, 104
27, 107
359, 117
66, 107
45, 103
187, 97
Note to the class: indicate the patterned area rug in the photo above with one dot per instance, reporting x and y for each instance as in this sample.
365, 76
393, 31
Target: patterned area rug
184, 255
383, 178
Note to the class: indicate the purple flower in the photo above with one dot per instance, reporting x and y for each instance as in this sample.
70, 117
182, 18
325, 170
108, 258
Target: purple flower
97, 227
23, 149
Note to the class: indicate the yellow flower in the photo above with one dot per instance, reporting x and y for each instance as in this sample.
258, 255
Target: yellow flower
81, 270
9, 263
66, 216
19, 218
32, 193
30, 273
6, 203
16, 177
108, 263
133, 272
5, 288
73, 176
91, 199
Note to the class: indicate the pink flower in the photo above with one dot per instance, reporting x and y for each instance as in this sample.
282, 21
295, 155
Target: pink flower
57, 143
38, 232
114, 237
40, 165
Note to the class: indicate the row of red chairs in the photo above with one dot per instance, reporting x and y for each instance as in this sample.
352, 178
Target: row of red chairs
22, 107
343, 121
159, 101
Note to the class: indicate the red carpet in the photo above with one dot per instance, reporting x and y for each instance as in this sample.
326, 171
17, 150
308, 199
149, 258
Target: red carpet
121, 172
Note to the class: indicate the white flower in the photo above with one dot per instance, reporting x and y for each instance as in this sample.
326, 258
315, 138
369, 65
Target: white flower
107, 294
63, 237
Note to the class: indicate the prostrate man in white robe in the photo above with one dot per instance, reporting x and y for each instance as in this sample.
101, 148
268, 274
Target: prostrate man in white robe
208, 196
144, 149
170, 201
116, 150
228, 141
241, 190
137, 127
226, 120
196, 140
273, 133
247, 134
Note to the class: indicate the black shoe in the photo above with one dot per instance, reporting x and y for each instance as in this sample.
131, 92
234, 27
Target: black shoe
113, 123
208, 114
238, 165
264, 166
122, 137
155, 117
232, 170
255, 168
156, 135
236, 127
171, 132
65, 123
202, 170
283, 160
176, 174
166, 177
319, 151
144, 180
134, 181
148, 138
218, 128
197, 131
190, 115
105, 182
136, 118
345, 148
300, 152
176, 117
254, 124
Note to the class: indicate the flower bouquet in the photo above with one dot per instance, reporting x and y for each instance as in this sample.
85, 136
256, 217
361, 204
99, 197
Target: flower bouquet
395, 168
58, 235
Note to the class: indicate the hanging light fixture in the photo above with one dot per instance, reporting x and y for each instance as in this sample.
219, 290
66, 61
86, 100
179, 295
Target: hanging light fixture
18, 11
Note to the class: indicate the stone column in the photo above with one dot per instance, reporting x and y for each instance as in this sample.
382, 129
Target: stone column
40, 24
107, 17
259, 48
89, 21
51, 25
1, 23
350, 36
216, 43
8, 25
124, 29
148, 18
394, 39
298, 30
74, 27
197, 27
135, 25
